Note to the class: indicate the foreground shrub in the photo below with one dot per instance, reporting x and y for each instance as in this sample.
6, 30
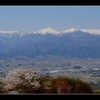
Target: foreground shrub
27, 81
1, 85
45, 84
81, 87
69, 85
60, 85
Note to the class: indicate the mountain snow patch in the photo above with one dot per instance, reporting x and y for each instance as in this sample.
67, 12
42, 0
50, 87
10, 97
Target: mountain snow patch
48, 30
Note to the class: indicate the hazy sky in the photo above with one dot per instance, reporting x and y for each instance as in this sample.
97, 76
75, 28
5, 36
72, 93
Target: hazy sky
35, 18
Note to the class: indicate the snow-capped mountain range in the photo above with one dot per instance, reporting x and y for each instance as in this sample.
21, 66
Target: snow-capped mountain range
72, 42
49, 30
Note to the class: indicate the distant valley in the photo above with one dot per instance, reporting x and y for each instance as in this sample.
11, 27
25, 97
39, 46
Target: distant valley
72, 53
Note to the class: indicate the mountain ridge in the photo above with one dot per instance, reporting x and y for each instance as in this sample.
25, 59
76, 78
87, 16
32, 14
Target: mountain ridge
49, 30
78, 44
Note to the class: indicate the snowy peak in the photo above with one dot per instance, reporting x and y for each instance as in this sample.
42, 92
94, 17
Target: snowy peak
91, 31
70, 30
48, 30
8, 32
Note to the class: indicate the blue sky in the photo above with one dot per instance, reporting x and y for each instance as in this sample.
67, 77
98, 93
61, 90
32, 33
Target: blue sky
35, 18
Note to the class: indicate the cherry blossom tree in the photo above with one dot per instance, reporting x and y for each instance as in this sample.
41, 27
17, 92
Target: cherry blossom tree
20, 78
